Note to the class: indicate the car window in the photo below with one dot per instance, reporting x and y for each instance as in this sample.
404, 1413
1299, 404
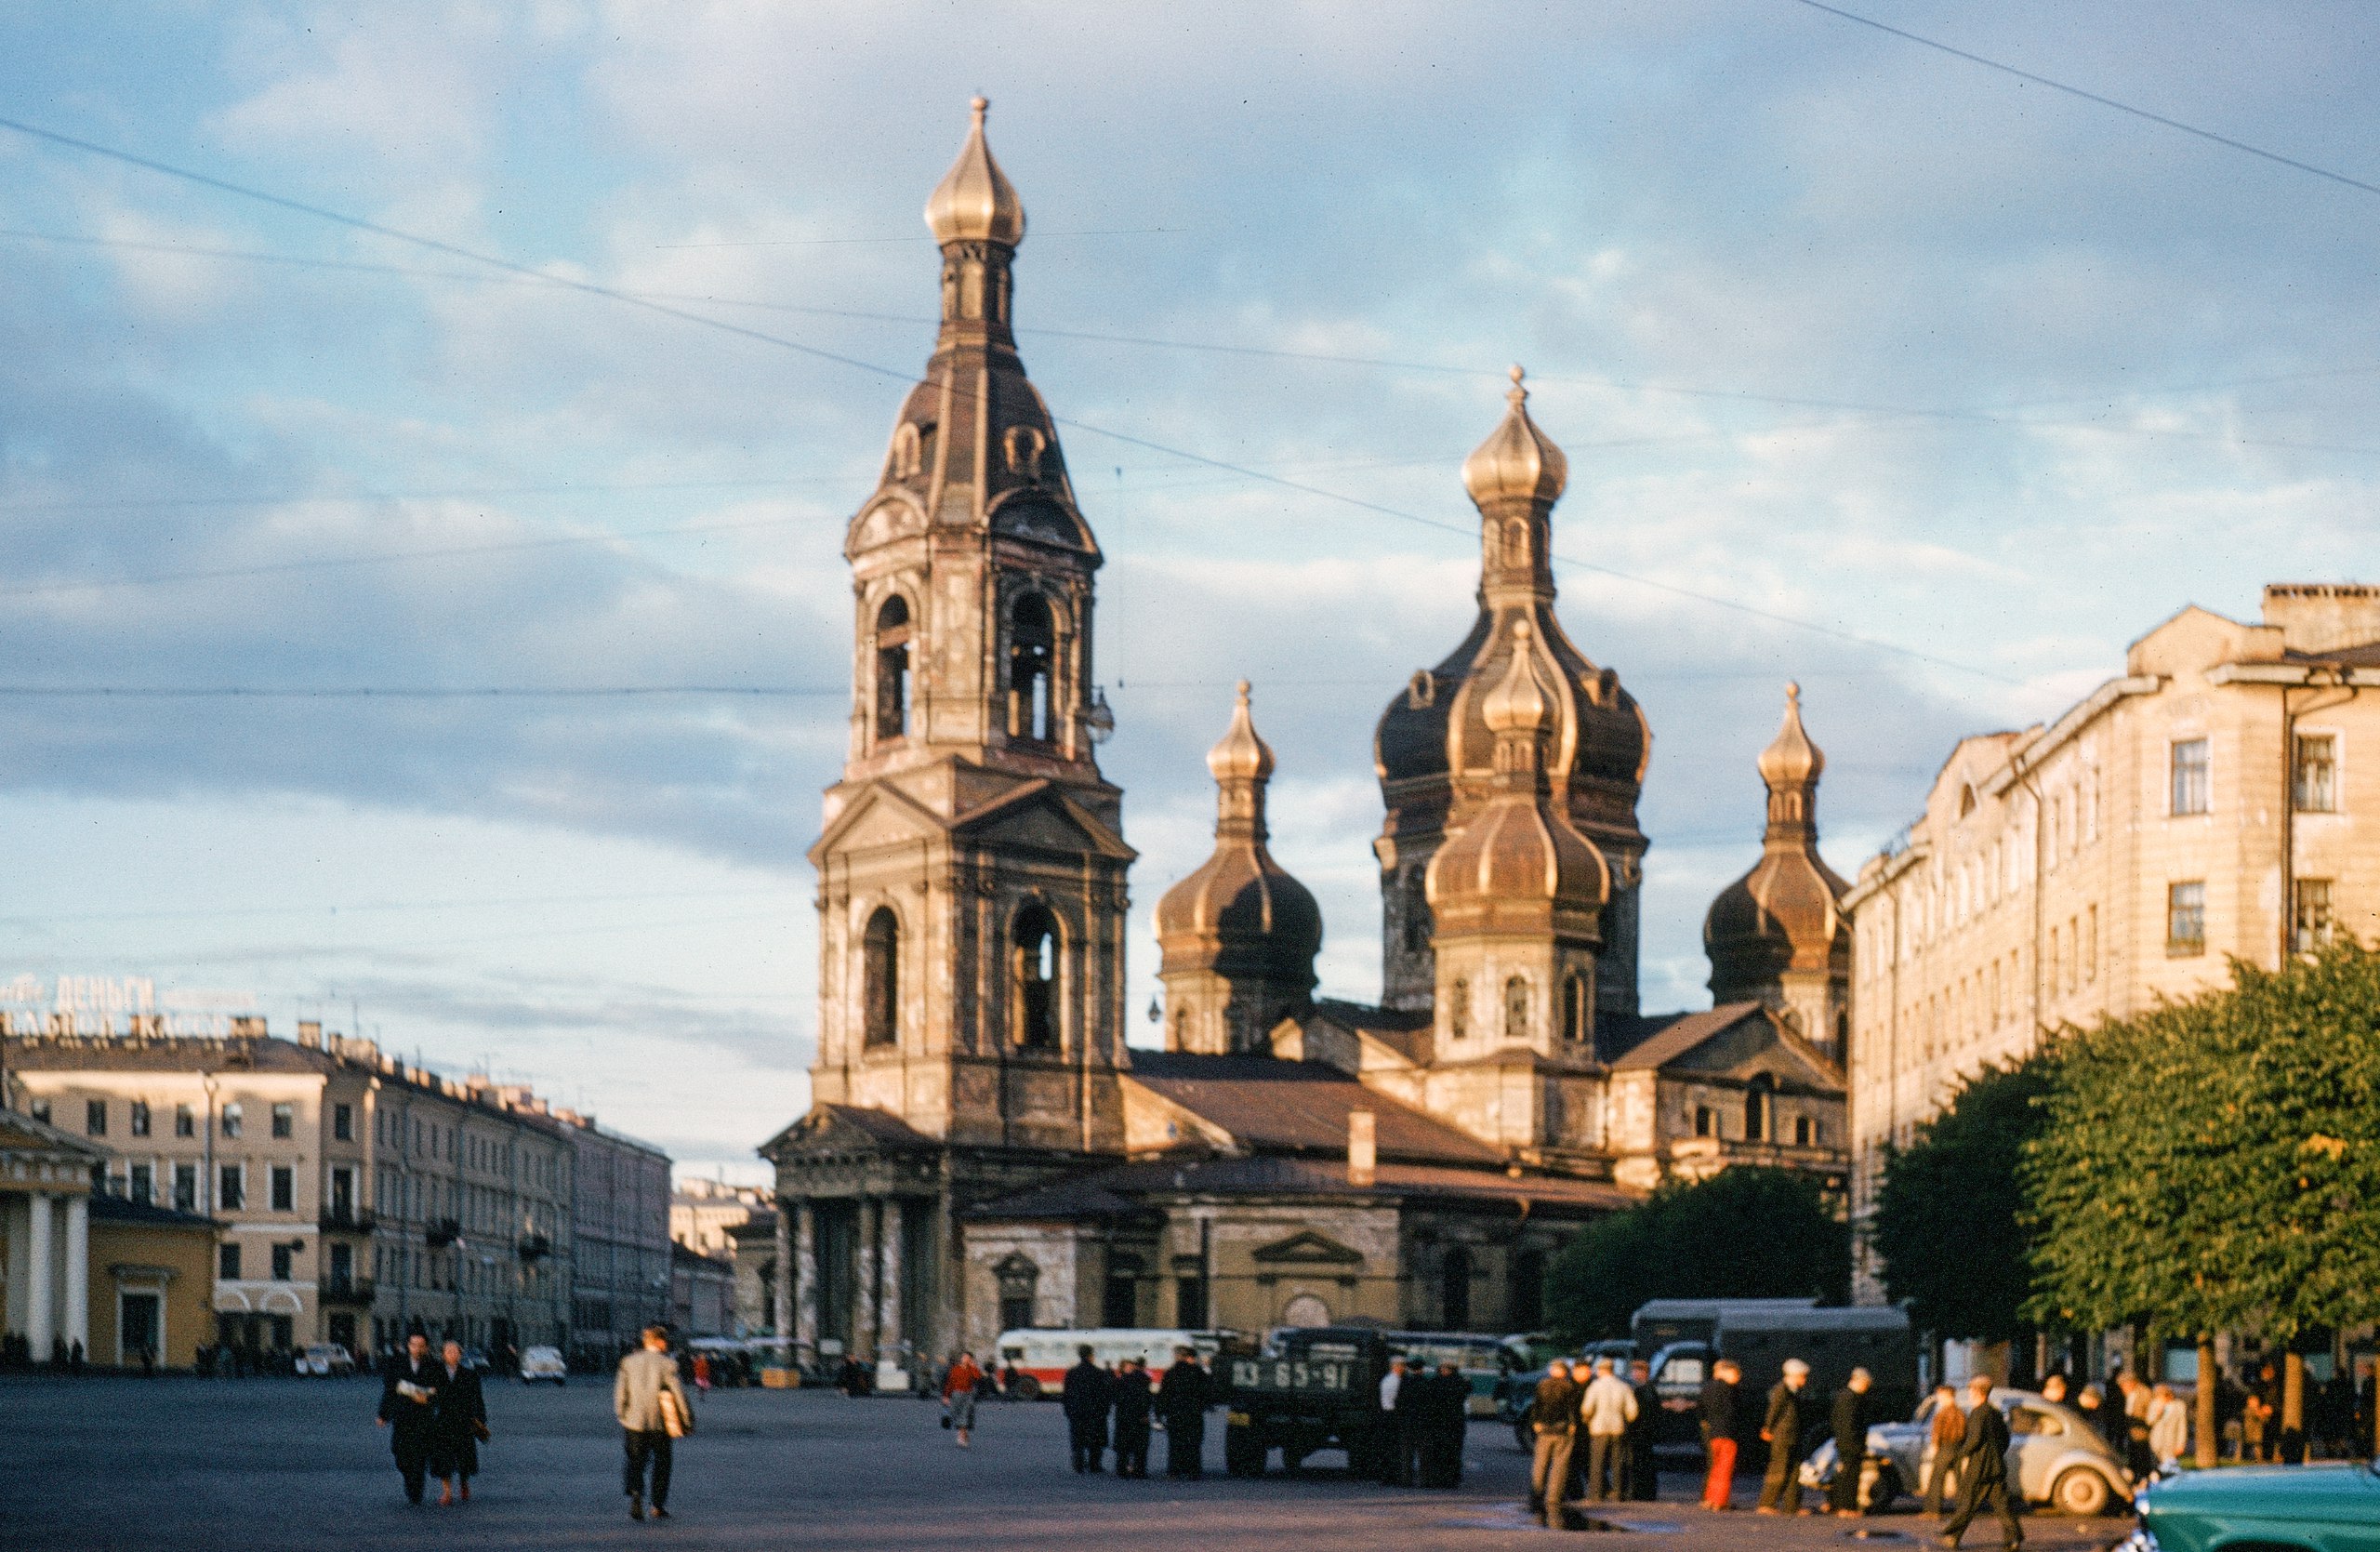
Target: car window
2025, 1420
1682, 1370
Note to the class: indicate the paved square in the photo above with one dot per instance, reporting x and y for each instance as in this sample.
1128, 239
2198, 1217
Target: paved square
191, 1466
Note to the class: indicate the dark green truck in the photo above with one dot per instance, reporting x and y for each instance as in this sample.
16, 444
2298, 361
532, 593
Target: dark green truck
1315, 1389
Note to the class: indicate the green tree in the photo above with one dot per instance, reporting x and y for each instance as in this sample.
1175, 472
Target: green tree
2216, 1164
1742, 1234
1948, 1223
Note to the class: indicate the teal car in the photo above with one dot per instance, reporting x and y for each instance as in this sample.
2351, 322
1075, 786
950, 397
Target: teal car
2274, 1508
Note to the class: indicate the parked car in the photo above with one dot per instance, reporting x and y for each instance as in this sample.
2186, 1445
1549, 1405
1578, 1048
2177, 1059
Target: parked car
324, 1360
2055, 1458
543, 1363
2290, 1508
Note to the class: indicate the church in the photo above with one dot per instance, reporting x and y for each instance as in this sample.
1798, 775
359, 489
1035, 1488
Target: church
984, 1152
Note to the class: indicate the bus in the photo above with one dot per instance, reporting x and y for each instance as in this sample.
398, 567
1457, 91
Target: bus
1043, 1357
1482, 1361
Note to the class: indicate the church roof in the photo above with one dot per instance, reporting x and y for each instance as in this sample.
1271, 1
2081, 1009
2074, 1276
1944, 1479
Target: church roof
1091, 1195
848, 1129
1270, 1105
1665, 1046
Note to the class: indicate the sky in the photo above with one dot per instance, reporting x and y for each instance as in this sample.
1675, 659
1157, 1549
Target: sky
1913, 381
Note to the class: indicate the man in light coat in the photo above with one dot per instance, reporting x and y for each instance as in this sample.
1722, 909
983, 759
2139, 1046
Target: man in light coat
647, 1387
2169, 1427
1608, 1407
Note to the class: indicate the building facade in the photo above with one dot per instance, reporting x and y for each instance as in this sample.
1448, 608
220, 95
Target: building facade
2206, 804
620, 1255
357, 1197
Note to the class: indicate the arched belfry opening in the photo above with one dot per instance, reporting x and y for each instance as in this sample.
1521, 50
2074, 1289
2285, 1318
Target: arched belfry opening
1032, 651
892, 669
1033, 978
1760, 1097
881, 978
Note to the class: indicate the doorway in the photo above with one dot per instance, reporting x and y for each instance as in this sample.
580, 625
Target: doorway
140, 1327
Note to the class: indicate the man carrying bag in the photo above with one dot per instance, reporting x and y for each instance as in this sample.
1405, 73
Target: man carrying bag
651, 1405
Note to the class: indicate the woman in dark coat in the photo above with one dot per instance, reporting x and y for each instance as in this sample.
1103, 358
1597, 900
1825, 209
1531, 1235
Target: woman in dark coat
458, 1421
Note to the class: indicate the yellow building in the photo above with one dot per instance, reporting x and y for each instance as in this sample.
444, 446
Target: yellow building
2206, 804
151, 1280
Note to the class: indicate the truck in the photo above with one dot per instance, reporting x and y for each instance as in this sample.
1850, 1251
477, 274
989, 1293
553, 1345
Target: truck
1311, 1389
1681, 1339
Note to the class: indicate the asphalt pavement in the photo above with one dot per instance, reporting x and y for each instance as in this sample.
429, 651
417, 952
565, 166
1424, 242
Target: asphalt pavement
190, 1466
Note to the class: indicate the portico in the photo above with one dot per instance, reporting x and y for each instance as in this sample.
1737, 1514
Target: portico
45, 1222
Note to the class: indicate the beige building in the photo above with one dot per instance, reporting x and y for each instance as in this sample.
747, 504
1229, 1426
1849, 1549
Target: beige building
2207, 804
703, 1214
358, 1198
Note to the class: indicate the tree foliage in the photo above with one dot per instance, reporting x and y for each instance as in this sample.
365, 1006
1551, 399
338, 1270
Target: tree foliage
1744, 1234
2215, 1163
1950, 1218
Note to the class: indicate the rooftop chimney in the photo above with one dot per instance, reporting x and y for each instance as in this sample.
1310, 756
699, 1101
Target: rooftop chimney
310, 1033
1363, 1146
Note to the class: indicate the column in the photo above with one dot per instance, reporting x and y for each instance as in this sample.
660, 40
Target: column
78, 1273
12, 1224
805, 1283
781, 1303
888, 1280
39, 1272
863, 1333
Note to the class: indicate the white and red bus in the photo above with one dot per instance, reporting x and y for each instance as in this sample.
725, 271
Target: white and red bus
1043, 1357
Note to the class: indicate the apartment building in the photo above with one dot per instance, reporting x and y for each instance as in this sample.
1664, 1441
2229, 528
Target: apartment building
2212, 802
620, 1237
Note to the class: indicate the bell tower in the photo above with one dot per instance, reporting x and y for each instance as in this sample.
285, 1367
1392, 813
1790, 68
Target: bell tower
972, 871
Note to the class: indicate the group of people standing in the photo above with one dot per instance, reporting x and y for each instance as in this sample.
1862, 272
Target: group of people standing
1616, 1415
1424, 1420
1114, 1408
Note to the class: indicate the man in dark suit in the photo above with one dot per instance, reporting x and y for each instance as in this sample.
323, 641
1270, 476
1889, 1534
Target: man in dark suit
1780, 1429
1450, 1428
1085, 1402
1133, 1400
1641, 1475
409, 1411
459, 1420
1183, 1402
1850, 1421
1982, 1466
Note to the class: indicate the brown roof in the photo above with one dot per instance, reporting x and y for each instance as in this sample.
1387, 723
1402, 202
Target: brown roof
1278, 1177
1689, 1031
1083, 1197
1276, 1106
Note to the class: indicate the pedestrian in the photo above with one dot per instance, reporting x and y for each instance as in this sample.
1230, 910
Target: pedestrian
2257, 1411
2092, 1402
2169, 1427
1606, 1409
1386, 1453
1410, 1416
408, 1397
1850, 1421
1642, 1475
1718, 1402
1982, 1466
702, 1373
1085, 1399
1554, 1420
458, 1421
1943, 1430
2367, 1410
2136, 1453
958, 1397
1449, 1429
652, 1410
2054, 1390
1132, 1400
1184, 1404
1780, 1429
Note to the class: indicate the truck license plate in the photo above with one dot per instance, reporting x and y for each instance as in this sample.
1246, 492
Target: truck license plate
1236, 1419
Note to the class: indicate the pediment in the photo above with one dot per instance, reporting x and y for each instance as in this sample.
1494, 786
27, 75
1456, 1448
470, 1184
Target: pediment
837, 1129
1308, 1248
881, 816
891, 515
1039, 816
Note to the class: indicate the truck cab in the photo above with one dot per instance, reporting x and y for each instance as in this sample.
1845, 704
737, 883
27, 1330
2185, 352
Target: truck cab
1311, 1389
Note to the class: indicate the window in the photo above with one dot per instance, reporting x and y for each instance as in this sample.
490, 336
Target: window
95, 1116
2313, 781
227, 1263
232, 1190
2314, 921
1806, 1131
141, 1185
1033, 640
186, 1188
1702, 1120
343, 1194
38, 1110
2090, 944
2186, 918
285, 1188
1033, 978
1454, 1290
185, 1121
893, 669
343, 1123
1759, 1095
2190, 783
1517, 1009
1458, 1010
881, 978
283, 1257
231, 1119
1417, 912
284, 1120
1576, 1022
139, 1118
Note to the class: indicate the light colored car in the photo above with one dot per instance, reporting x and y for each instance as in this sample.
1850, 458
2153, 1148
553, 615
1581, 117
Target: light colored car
2054, 1457
325, 1359
543, 1363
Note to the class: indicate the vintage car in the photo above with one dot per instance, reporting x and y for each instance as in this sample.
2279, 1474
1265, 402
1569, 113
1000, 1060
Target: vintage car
2054, 1457
2272, 1509
543, 1363
325, 1360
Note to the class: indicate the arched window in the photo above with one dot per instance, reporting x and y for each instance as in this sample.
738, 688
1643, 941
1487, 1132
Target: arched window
1033, 978
881, 978
1033, 642
1805, 1132
1702, 1120
1577, 1022
1454, 1290
1458, 1012
1417, 910
1517, 1009
1023, 449
893, 669
1759, 1097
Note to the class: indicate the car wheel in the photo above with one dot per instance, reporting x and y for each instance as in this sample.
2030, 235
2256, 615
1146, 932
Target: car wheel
2081, 1493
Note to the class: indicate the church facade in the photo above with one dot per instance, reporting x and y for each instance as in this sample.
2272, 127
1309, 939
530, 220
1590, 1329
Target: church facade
984, 1152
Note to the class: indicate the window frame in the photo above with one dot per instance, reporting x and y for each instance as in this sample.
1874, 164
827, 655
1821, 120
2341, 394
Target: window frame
95, 1117
233, 1117
281, 1188
284, 1119
2177, 946
2199, 772
232, 1188
227, 1261
2299, 786
2302, 939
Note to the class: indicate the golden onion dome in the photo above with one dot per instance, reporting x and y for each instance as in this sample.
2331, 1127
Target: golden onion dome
1791, 760
1518, 461
1517, 704
975, 202
1242, 755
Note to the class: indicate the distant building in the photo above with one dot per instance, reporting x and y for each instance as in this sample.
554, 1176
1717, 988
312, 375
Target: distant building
620, 1237
358, 1198
702, 1293
756, 1251
2206, 804
703, 1212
